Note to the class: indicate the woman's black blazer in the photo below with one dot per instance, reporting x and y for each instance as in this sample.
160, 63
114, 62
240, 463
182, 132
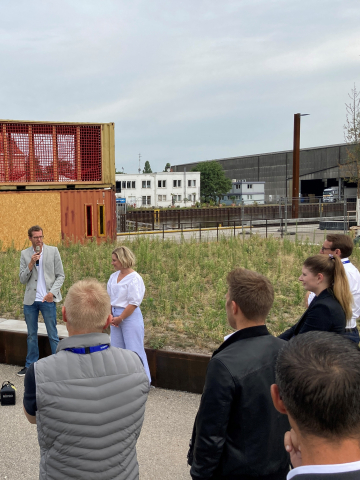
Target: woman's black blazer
324, 314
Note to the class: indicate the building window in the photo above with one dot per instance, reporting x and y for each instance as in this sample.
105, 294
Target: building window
143, 202
89, 220
143, 184
123, 184
164, 198
249, 197
191, 183
194, 197
118, 187
148, 184
179, 198
161, 183
177, 183
249, 185
101, 220
128, 184
189, 196
237, 187
160, 198
133, 185
148, 198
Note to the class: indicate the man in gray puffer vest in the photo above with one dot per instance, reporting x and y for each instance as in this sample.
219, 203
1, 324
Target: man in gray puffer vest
88, 400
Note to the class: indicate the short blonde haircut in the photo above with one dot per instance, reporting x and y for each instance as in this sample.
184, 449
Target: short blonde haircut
125, 256
87, 305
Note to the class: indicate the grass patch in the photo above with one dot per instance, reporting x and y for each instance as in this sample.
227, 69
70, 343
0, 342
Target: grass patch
184, 304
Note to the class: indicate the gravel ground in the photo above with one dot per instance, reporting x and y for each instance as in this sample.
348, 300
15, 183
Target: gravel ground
161, 448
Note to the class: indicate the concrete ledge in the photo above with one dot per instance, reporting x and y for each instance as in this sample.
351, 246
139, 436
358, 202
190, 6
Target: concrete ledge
171, 370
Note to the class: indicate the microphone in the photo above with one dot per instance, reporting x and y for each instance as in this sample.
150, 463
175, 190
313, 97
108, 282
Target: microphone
37, 250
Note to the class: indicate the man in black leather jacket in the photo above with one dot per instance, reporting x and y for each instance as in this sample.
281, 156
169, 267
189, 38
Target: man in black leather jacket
238, 434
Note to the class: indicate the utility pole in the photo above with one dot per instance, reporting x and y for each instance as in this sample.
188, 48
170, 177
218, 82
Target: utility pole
296, 165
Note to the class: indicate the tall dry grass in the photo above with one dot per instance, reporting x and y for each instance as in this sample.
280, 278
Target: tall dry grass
184, 305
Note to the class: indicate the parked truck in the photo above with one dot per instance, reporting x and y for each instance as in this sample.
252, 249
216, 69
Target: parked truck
331, 194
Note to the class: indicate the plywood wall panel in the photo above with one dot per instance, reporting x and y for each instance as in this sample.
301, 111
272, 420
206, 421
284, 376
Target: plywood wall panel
20, 210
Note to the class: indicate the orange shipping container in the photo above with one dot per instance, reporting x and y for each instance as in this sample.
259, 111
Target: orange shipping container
88, 213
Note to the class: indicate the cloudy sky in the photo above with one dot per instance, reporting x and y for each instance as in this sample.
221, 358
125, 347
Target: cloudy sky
185, 80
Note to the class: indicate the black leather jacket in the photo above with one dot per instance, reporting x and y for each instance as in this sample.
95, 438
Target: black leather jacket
238, 434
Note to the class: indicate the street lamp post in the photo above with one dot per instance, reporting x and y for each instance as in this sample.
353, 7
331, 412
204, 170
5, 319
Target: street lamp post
296, 165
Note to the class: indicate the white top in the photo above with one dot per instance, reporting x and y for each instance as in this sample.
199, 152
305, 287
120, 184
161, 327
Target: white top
129, 291
41, 285
353, 276
321, 469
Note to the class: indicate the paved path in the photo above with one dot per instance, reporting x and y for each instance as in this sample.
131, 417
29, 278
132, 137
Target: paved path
162, 445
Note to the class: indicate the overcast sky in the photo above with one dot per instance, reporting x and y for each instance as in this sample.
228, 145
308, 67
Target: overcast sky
185, 80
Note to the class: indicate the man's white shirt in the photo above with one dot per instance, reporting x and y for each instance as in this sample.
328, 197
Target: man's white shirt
324, 469
353, 276
41, 285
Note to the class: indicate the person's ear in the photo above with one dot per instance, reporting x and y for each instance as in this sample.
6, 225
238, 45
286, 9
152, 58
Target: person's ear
234, 307
108, 321
337, 252
277, 400
320, 277
64, 314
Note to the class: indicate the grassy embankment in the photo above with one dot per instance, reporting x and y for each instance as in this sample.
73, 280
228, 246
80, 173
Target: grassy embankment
184, 304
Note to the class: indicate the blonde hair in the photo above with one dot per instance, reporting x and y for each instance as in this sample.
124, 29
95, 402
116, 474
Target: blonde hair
87, 305
333, 270
125, 256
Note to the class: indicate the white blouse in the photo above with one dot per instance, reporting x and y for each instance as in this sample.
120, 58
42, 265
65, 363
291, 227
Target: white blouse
129, 291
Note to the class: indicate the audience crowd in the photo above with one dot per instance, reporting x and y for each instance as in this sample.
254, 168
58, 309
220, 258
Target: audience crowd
271, 409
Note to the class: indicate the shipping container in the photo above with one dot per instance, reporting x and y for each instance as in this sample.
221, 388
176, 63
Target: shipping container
56, 155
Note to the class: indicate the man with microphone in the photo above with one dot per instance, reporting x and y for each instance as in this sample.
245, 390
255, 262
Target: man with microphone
42, 272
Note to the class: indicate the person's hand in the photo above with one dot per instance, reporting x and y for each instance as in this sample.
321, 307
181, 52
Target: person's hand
292, 446
115, 321
34, 259
49, 297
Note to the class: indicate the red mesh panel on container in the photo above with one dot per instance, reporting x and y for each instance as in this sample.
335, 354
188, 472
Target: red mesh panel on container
49, 153
90, 148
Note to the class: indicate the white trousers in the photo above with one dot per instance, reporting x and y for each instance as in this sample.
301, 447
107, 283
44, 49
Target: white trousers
130, 335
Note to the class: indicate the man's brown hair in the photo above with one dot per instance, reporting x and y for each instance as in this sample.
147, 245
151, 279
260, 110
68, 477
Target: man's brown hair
342, 242
34, 228
252, 292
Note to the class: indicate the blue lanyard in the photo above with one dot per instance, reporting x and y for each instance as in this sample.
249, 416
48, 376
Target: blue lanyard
81, 351
347, 261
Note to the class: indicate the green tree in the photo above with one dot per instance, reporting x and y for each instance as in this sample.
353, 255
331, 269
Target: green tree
213, 182
350, 170
147, 168
167, 166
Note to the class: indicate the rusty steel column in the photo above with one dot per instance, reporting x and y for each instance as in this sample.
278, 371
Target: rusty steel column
296, 169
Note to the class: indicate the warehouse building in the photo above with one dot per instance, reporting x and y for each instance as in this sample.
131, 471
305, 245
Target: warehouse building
320, 168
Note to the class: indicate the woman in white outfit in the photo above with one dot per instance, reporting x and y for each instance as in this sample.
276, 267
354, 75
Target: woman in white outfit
126, 290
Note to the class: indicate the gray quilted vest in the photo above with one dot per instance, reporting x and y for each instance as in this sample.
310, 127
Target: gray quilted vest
90, 409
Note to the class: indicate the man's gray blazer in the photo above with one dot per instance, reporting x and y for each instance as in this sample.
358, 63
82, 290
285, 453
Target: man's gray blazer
53, 273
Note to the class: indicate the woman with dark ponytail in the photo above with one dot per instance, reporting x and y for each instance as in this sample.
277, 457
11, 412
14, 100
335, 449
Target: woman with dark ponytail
325, 276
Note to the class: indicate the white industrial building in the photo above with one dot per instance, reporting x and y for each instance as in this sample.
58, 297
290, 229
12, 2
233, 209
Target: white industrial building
159, 189
245, 192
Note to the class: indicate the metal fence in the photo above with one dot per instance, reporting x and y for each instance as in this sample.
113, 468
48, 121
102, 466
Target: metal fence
315, 219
